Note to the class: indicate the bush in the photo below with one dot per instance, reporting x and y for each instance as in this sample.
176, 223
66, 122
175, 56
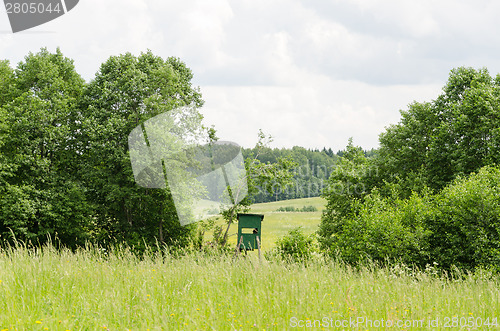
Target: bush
384, 229
304, 209
458, 227
295, 246
286, 209
466, 225
308, 209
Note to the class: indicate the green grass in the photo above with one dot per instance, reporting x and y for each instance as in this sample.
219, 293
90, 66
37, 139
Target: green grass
277, 224
93, 290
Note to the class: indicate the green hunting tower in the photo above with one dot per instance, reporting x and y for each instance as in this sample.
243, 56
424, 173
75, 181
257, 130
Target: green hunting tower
249, 228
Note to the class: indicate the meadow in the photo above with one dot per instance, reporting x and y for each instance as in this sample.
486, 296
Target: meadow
96, 289
276, 224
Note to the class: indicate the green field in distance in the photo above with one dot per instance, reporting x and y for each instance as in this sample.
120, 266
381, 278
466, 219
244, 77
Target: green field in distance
277, 224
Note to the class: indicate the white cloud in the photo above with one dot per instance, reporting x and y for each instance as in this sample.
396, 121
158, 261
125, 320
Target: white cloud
311, 115
311, 73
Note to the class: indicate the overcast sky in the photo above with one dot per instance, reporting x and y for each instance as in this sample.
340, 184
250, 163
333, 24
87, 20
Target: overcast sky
311, 73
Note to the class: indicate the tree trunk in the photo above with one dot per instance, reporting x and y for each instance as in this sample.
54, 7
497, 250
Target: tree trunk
224, 241
160, 225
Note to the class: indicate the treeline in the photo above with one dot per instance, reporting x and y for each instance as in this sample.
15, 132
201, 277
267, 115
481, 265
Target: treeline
313, 168
65, 172
431, 194
310, 176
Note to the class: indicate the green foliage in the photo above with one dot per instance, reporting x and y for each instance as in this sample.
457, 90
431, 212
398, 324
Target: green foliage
454, 135
466, 222
201, 228
41, 196
127, 91
458, 227
308, 209
310, 173
295, 246
267, 175
383, 229
347, 186
286, 209
6, 82
304, 209
65, 171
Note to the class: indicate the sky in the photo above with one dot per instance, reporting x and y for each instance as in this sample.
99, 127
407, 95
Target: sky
311, 73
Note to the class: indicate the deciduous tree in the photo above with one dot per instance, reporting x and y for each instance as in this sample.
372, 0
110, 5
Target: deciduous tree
127, 91
41, 197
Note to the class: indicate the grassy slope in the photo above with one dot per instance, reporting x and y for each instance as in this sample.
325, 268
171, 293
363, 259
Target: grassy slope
277, 224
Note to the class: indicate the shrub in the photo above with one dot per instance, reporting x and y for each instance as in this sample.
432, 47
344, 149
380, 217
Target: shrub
304, 209
456, 228
308, 209
466, 225
286, 209
295, 246
384, 229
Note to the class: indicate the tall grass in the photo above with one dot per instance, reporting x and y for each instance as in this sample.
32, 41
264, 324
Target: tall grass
91, 289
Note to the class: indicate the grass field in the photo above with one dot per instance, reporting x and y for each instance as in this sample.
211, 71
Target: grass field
277, 224
92, 290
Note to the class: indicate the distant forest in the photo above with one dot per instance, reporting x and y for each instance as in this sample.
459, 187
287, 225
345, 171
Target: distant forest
313, 169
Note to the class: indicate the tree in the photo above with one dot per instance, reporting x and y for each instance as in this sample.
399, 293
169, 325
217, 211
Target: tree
465, 225
405, 148
351, 180
453, 135
309, 175
40, 196
6, 82
127, 91
410, 205
457, 227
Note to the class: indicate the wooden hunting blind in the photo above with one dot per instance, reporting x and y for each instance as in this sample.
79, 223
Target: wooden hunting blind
249, 231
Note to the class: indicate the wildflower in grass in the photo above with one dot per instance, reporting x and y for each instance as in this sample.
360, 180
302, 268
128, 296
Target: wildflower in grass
38, 322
